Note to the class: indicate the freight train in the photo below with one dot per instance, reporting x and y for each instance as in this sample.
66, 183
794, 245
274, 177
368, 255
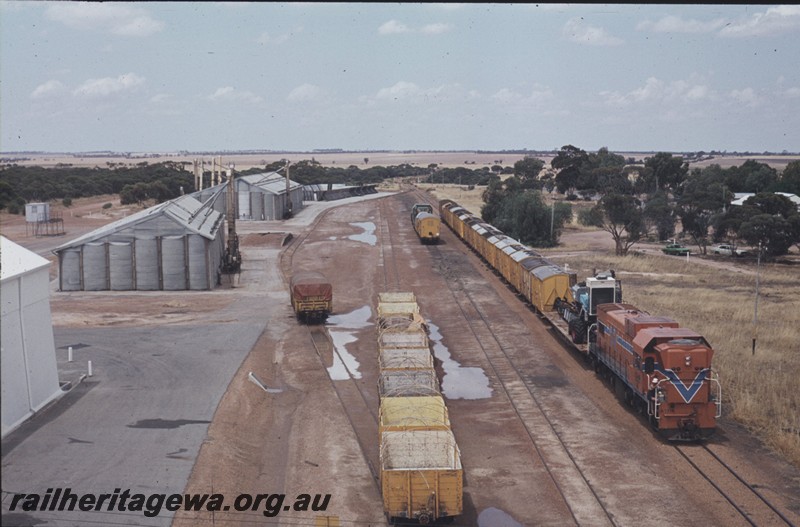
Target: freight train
662, 370
420, 463
312, 296
426, 223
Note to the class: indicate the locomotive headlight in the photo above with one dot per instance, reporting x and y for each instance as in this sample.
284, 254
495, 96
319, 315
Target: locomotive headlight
688, 359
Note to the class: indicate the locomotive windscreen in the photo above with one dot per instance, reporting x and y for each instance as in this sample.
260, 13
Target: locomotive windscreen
602, 296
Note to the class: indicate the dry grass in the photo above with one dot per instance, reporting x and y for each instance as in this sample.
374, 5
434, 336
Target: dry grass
469, 199
758, 389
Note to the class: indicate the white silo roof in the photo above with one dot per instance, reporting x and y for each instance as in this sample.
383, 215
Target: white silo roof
16, 260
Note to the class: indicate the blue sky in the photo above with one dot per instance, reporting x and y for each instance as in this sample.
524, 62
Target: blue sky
300, 76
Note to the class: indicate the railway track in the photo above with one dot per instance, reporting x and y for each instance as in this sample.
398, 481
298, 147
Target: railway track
742, 496
578, 495
391, 275
364, 423
361, 415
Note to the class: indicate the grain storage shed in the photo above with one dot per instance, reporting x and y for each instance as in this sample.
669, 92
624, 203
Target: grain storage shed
265, 196
173, 246
27, 348
213, 196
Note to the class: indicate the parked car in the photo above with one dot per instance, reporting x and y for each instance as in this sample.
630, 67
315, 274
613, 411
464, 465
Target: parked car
729, 250
675, 249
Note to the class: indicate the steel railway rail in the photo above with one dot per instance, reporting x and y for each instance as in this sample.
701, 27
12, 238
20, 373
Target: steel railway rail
387, 256
544, 437
349, 394
751, 504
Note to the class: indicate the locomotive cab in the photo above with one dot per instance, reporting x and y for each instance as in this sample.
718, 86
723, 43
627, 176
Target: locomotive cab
684, 397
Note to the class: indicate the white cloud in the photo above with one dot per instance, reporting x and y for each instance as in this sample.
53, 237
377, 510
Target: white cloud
436, 29
404, 91
576, 31
393, 27
305, 93
656, 91
118, 19
109, 85
696, 93
47, 89
505, 95
229, 93
674, 24
401, 90
792, 93
538, 96
265, 38
774, 20
747, 96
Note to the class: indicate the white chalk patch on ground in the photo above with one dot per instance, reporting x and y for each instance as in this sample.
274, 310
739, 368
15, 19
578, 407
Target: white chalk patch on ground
368, 236
458, 382
342, 329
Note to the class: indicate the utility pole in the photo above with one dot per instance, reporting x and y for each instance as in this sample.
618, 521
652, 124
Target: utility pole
288, 192
755, 309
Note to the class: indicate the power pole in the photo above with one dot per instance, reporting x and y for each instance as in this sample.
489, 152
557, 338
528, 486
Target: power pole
755, 308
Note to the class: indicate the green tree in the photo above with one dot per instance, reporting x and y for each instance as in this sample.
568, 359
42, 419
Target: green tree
663, 171
622, 217
492, 198
659, 215
569, 162
525, 216
766, 218
527, 170
751, 176
7, 194
700, 201
790, 179
773, 233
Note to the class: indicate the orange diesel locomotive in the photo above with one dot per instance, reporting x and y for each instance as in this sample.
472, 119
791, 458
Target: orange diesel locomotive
665, 370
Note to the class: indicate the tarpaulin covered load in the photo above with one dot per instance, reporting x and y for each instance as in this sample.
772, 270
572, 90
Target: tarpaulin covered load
310, 284
312, 295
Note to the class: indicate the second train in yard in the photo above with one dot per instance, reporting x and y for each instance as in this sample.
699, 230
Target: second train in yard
426, 223
662, 370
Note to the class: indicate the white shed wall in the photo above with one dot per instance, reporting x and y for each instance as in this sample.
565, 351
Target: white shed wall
27, 353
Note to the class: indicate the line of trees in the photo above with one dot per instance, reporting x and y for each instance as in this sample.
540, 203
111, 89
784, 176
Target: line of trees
636, 200
309, 172
163, 181
159, 182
